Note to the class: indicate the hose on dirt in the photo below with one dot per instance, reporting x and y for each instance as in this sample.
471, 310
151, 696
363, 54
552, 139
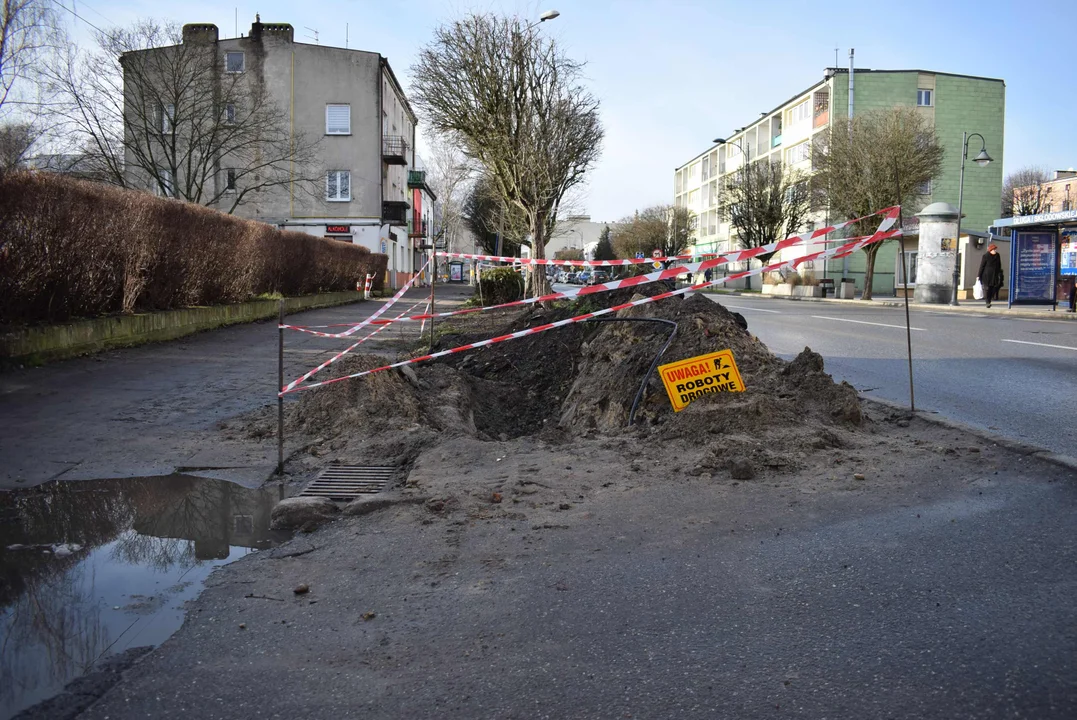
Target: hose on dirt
654, 363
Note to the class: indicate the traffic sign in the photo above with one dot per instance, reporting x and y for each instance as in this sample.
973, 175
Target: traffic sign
656, 253
656, 265
639, 256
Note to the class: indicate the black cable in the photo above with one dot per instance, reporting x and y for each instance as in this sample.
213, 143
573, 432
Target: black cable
654, 363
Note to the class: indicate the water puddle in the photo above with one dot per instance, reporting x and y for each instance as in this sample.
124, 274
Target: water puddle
90, 569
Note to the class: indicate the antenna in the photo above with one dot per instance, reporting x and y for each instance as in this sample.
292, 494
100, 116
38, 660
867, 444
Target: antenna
835, 56
315, 36
237, 21
345, 36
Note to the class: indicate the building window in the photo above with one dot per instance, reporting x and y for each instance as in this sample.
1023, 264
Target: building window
924, 98
910, 264
801, 112
924, 188
233, 62
338, 119
798, 153
338, 186
166, 186
168, 119
230, 113
230, 180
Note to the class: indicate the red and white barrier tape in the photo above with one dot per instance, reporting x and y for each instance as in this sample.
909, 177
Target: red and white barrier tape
781, 244
890, 218
841, 251
291, 386
356, 327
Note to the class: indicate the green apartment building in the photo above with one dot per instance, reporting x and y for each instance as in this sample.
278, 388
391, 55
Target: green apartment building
952, 103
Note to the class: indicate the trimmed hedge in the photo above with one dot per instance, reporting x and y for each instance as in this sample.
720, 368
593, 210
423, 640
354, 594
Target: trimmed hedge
72, 248
501, 285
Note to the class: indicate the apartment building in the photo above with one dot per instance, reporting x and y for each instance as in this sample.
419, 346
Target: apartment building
576, 232
1059, 193
353, 104
951, 103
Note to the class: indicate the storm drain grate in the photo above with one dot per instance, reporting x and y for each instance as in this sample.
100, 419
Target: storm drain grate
347, 482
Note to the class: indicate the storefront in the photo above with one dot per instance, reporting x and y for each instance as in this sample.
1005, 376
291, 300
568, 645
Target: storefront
1043, 256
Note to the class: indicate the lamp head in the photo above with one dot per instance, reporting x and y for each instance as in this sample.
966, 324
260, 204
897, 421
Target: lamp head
719, 141
548, 15
982, 159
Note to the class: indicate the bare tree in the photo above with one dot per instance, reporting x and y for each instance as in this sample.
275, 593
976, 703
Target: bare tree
665, 228
150, 110
450, 174
487, 216
765, 202
878, 159
515, 101
25, 29
1026, 192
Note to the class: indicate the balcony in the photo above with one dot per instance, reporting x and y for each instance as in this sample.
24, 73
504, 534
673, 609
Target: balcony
417, 179
776, 141
394, 212
394, 150
420, 231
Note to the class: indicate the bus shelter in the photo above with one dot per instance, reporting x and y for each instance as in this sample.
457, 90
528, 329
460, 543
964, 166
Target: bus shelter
1043, 258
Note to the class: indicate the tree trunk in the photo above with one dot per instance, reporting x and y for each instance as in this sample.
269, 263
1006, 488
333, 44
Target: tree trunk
538, 252
869, 270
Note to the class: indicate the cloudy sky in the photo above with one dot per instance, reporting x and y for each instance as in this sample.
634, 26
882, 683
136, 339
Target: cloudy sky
673, 75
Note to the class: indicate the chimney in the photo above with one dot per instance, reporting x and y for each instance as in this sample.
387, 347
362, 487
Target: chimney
200, 33
278, 31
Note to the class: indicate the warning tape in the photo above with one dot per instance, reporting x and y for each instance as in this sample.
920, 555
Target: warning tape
891, 215
290, 386
792, 240
356, 327
881, 234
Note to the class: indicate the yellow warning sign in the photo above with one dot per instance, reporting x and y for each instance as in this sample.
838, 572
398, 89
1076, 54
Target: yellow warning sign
686, 380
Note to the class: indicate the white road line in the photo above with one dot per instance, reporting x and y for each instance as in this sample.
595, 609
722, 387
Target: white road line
1026, 342
745, 307
864, 322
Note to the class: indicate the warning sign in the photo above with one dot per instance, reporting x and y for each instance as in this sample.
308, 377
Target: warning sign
686, 380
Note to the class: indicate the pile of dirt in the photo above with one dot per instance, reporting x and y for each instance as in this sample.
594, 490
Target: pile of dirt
581, 380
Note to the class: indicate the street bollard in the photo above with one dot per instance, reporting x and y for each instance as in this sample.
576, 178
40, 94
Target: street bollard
366, 287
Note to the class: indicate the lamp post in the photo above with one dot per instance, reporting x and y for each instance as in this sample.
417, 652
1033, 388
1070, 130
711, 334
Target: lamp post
982, 160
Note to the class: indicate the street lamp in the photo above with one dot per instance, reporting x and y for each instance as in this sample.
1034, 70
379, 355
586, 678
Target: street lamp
982, 159
548, 15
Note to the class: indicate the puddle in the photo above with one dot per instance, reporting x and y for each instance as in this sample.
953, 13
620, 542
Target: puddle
90, 569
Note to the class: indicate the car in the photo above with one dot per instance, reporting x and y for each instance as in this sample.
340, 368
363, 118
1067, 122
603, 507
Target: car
597, 278
562, 277
584, 278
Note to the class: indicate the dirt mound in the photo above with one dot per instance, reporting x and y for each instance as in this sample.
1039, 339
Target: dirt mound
580, 380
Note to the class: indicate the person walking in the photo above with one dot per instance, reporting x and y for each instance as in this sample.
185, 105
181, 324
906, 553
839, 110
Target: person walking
990, 274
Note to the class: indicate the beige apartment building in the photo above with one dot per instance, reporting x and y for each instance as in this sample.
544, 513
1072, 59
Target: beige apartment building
1060, 193
353, 104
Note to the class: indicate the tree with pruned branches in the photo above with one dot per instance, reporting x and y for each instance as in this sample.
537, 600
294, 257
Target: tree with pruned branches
877, 159
148, 110
516, 102
765, 202
1026, 192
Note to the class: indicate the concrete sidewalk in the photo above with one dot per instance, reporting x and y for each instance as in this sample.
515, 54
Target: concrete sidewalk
154, 409
975, 307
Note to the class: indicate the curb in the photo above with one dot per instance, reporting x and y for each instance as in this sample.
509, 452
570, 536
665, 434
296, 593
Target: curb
1021, 448
977, 309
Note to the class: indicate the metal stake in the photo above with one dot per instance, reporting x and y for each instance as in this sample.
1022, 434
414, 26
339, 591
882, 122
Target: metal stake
433, 281
905, 279
280, 387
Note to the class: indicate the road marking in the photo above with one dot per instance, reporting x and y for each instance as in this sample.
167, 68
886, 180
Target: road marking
745, 307
864, 322
1026, 342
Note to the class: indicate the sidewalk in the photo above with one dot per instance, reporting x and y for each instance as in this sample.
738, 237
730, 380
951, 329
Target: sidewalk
1034, 312
154, 409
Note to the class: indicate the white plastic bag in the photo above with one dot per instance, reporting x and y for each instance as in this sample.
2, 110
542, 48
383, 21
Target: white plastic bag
978, 290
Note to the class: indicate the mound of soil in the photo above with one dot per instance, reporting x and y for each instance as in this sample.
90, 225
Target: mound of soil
581, 380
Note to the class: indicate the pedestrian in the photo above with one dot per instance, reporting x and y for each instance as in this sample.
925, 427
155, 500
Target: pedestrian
990, 274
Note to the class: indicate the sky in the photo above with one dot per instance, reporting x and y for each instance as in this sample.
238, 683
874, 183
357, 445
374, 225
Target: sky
673, 75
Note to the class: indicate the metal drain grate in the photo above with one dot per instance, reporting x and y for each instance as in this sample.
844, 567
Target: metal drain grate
347, 482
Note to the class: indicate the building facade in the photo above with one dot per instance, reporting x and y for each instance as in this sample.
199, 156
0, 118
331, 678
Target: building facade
952, 104
352, 104
1059, 194
576, 232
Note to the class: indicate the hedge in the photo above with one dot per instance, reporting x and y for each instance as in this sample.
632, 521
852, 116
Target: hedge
72, 248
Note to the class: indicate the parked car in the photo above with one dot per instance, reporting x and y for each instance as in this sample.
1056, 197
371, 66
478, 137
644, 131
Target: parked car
562, 276
597, 278
583, 278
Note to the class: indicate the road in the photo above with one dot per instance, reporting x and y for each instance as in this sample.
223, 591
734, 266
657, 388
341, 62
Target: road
1013, 376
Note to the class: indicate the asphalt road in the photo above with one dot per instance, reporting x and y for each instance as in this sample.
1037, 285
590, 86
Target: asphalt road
1016, 377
